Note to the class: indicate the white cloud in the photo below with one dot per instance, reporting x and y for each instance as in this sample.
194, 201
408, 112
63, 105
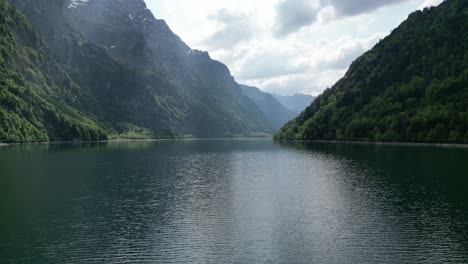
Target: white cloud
309, 83
234, 28
346, 49
326, 14
355, 7
429, 3
292, 15
317, 41
279, 69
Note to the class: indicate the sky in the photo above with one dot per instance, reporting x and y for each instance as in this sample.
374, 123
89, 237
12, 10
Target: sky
285, 46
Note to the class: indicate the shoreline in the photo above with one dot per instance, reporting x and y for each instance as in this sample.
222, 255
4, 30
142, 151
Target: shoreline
131, 140
403, 144
88, 142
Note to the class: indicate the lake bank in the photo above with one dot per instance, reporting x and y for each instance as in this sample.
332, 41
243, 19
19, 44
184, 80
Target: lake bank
441, 145
87, 142
134, 140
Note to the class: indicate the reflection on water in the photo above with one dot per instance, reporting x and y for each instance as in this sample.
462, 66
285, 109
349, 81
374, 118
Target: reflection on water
233, 201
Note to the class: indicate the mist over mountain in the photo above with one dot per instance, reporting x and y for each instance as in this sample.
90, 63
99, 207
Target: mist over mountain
277, 114
295, 103
115, 65
133, 36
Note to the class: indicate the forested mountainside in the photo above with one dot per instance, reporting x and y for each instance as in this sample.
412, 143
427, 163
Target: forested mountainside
60, 83
277, 114
295, 103
117, 98
411, 87
38, 100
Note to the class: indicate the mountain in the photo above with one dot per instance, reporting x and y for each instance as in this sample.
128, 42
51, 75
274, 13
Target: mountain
277, 114
411, 87
295, 103
110, 67
212, 103
38, 100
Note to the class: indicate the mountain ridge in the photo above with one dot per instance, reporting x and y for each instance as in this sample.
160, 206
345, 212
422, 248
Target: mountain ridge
146, 91
208, 83
411, 87
277, 113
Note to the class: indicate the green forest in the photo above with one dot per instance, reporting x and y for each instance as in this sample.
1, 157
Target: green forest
32, 106
411, 87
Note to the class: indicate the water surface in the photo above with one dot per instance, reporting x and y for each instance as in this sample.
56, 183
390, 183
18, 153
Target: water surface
233, 201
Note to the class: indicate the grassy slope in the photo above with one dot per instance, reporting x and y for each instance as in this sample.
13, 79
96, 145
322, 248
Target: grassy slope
32, 106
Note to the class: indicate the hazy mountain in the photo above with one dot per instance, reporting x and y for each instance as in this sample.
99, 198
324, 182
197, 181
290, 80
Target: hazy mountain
295, 103
277, 114
212, 102
411, 87
115, 68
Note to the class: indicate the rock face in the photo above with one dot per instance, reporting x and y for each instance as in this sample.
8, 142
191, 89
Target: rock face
133, 36
295, 103
277, 114
130, 70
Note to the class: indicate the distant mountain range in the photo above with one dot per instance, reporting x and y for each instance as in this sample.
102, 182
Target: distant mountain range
276, 113
295, 103
96, 69
411, 87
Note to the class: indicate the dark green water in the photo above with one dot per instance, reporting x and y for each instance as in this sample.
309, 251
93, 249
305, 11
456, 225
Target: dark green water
233, 201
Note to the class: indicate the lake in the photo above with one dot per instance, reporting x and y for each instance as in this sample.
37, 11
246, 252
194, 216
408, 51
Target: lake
233, 201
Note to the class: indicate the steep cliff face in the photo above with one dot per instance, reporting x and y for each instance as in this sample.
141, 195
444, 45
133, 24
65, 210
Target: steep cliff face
129, 70
130, 33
